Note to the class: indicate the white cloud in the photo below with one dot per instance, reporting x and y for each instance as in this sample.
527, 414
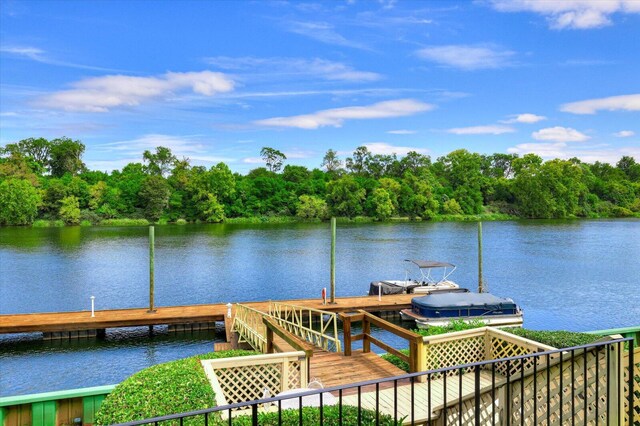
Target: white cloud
192, 147
467, 57
481, 130
624, 133
316, 67
39, 55
571, 14
525, 118
253, 160
335, 117
565, 151
383, 148
612, 103
402, 132
323, 32
559, 134
100, 94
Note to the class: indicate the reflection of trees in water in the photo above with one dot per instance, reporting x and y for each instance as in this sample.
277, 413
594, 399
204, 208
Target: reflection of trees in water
123, 338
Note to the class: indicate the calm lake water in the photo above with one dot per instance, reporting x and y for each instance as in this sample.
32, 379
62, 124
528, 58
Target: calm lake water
572, 275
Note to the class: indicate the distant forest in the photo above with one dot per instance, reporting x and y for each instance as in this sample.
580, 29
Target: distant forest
46, 180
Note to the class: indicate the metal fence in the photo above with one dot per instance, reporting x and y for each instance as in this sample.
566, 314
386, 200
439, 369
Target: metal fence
578, 385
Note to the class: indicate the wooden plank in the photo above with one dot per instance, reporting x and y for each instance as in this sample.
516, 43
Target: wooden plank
71, 321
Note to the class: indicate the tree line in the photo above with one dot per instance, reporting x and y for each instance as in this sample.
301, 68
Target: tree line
47, 179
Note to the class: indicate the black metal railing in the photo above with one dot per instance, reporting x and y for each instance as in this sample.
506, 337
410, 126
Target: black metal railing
577, 385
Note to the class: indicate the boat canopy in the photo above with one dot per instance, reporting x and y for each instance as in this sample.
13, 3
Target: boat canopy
427, 264
463, 300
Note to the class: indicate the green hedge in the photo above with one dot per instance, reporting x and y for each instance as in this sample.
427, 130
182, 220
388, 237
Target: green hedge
173, 387
311, 417
556, 338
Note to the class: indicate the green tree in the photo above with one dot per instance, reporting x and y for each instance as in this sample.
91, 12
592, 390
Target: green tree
462, 171
70, 210
345, 197
330, 162
451, 206
393, 188
154, 195
19, 202
382, 204
312, 207
208, 208
160, 162
358, 163
273, 158
66, 157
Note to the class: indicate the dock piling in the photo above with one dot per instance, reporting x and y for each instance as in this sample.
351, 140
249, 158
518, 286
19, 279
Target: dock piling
151, 269
333, 261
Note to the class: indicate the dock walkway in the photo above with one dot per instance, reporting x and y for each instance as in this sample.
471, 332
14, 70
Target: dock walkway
170, 315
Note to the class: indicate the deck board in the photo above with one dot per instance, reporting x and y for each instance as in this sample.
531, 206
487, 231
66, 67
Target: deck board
420, 405
72, 321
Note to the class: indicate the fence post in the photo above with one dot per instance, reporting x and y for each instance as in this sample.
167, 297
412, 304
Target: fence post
366, 331
269, 336
346, 329
615, 382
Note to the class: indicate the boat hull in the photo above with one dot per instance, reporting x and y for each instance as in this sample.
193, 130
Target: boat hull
510, 320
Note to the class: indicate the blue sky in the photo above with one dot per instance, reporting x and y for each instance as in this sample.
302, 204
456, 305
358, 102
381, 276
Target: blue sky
217, 81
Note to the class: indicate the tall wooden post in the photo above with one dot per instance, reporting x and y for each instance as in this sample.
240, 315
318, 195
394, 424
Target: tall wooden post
151, 269
480, 280
333, 260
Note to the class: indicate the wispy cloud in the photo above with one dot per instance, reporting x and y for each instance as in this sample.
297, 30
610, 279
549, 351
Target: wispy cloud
101, 94
571, 14
39, 55
383, 148
564, 150
315, 67
402, 132
323, 32
491, 129
612, 103
524, 118
467, 57
335, 117
559, 134
624, 134
194, 147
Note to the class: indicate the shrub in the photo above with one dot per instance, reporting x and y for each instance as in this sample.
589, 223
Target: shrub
125, 222
181, 222
85, 223
70, 210
173, 387
556, 338
311, 417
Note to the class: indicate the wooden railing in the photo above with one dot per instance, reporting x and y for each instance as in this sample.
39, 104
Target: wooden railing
636, 375
367, 319
317, 327
297, 343
247, 322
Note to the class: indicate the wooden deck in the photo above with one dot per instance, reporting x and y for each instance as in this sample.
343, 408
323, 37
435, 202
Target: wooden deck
72, 321
333, 369
419, 406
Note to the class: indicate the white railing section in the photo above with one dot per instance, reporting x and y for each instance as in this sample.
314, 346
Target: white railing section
247, 322
317, 327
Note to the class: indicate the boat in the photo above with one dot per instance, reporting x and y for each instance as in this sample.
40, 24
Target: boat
425, 283
440, 308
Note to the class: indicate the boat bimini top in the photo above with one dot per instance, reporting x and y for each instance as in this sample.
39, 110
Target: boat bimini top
427, 266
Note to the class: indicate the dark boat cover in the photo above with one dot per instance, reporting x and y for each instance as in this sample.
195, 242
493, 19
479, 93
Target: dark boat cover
463, 300
387, 288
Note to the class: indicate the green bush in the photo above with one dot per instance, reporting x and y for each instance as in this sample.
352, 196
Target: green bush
125, 222
85, 223
173, 387
556, 338
311, 417
181, 222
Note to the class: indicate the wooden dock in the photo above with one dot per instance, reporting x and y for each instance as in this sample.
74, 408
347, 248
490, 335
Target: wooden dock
191, 314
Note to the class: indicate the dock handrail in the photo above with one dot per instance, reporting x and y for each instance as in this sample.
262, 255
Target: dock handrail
367, 319
247, 322
272, 327
300, 320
